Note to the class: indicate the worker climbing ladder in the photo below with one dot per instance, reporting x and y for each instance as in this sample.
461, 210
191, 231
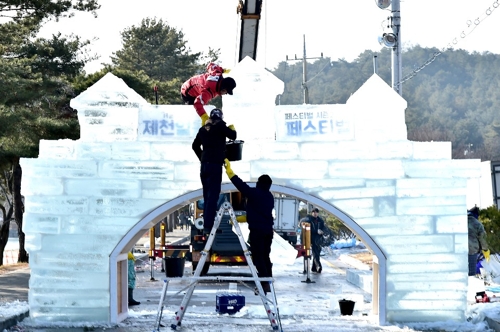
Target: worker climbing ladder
273, 314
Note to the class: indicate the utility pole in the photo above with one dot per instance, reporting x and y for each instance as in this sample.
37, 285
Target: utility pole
304, 71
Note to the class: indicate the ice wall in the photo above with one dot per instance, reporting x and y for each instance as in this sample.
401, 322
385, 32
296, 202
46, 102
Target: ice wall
108, 111
83, 196
251, 106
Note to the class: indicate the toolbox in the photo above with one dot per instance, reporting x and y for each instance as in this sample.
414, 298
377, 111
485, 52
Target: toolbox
227, 303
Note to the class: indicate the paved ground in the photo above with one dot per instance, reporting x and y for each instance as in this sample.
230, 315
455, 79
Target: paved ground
14, 284
319, 300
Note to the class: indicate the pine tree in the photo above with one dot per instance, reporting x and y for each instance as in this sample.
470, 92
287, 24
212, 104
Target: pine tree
35, 91
160, 52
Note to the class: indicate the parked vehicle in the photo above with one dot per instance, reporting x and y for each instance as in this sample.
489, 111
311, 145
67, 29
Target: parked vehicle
286, 218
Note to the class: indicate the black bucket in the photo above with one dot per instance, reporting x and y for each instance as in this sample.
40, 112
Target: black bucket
234, 150
346, 307
174, 266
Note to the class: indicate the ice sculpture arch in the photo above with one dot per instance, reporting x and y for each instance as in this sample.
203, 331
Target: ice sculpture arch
85, 200
155, 216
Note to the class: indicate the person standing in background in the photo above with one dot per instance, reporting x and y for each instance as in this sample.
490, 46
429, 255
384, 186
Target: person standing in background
317, 229
183, 220
131, 280
477, 240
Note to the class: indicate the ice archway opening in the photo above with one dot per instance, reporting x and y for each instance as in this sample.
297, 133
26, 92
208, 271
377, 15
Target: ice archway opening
118, 304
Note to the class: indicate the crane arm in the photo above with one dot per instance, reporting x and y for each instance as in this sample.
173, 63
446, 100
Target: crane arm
249, 11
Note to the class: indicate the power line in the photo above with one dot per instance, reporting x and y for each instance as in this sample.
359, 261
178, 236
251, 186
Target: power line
471, 26
328, 63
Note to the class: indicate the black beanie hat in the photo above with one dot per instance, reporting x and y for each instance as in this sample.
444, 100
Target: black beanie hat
264, 182
228, 84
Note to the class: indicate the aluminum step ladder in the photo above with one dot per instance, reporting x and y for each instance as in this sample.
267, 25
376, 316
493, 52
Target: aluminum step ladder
272, 313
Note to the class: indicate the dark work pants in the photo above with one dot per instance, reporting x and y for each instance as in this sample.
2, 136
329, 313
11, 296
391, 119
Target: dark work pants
260, 245
472, 264
211, 178
316, 252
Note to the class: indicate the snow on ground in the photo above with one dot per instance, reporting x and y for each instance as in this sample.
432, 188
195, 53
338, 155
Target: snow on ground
303, 307
143, 320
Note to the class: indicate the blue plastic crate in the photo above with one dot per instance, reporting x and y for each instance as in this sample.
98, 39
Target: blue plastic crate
229, 303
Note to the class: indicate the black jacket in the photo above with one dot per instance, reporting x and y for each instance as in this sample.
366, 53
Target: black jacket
316, 224
213, 141
260, 205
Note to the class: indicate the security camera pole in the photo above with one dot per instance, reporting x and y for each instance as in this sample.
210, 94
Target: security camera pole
396, 50
393, 40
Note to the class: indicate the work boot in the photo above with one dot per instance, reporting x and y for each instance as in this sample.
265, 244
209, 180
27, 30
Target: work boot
131, 301
266, 287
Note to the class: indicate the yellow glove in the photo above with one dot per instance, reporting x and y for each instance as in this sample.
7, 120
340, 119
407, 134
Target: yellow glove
204, 118
231, 127
229, 171
226, 70
486, 254
239, 219
242, 218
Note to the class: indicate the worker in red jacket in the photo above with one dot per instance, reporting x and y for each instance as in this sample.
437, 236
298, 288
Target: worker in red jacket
200, 89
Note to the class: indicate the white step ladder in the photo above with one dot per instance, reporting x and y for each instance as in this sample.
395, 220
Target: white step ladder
273, 314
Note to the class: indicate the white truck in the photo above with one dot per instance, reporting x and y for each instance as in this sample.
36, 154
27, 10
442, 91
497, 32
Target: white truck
286, 218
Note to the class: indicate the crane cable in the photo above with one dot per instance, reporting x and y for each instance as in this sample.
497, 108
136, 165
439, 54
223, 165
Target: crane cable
236, 41
265, 33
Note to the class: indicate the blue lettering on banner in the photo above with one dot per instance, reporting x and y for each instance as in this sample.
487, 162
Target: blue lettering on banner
166, 127
322, 115
322, 127
313, 127
316, 123
159, 127
294, 128
150, 127
309, 127
299, 116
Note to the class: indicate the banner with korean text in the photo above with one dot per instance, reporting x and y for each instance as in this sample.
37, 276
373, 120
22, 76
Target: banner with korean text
299, 123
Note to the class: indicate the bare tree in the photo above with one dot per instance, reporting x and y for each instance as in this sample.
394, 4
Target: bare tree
7, 211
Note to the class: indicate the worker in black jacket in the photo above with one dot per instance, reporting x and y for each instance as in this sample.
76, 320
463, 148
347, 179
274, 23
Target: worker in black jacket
260, 205
317, 230
212, 137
